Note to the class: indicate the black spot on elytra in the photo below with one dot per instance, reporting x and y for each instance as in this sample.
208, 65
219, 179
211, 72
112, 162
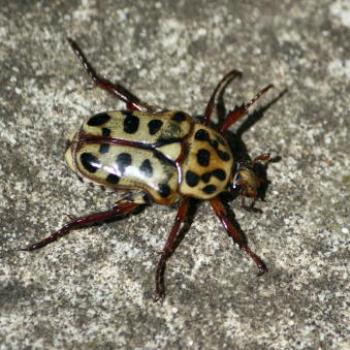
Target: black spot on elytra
154, 126
201, 135
146, 168
219, 174
206, 176
112, 178
192, 178
179, 117
209, 189
98, 119
164, 190
223, 155
123, 161
104, 148
90, 162
106, 132
203, 157
131, 123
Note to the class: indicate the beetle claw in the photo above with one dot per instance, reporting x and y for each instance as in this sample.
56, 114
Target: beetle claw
262, 270
159, 296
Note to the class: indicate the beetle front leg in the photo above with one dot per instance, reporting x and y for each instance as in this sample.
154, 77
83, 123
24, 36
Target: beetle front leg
115, 89
169, 248
251, 206
236, 234
84, 221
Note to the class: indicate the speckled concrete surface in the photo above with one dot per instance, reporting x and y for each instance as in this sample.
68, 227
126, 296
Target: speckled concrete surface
92, 290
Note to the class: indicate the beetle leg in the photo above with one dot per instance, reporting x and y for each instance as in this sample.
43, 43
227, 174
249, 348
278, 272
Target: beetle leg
263, 157
236, 234
121, 209
251, 206
169, 249
115, 89
242, 110
222, 83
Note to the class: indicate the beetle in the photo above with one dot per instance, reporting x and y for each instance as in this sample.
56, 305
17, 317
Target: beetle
161, 156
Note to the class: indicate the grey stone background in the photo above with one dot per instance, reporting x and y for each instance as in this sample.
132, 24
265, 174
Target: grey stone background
93, 289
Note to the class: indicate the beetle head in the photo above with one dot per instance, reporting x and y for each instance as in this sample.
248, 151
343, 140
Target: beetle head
250, 178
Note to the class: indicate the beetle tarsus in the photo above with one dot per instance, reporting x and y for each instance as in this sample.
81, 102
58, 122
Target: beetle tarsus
258, 261
169, 248
159, 292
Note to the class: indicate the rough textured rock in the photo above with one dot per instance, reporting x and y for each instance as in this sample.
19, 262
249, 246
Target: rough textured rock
93, 289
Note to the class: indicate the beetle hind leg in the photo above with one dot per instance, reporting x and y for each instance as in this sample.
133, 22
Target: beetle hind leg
115, 89
120, 210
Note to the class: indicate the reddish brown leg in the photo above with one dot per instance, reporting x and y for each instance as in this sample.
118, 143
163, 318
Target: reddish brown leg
264, 157
169, 249
241, 111
115, 89
237, 236
84, 221
211, 103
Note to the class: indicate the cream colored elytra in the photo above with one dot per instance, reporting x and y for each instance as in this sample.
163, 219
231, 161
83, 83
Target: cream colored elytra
166, 155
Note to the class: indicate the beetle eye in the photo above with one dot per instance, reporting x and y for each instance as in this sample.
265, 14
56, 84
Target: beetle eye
235, 182
236, 178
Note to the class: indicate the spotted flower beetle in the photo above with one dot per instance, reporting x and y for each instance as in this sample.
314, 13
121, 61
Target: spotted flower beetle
163, 156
